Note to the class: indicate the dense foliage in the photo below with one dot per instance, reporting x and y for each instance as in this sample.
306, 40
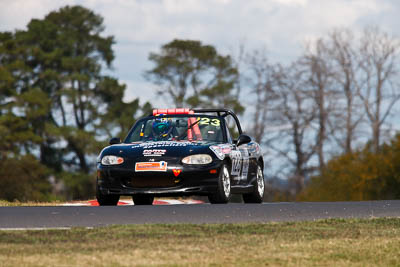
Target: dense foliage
57, 107
359, 175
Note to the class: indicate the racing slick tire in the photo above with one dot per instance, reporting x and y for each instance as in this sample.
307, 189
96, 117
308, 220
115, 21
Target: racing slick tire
143, 199
223, 193
106, 200
257, 195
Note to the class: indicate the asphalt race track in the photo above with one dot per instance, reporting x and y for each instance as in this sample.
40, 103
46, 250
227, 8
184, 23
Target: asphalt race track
65, 216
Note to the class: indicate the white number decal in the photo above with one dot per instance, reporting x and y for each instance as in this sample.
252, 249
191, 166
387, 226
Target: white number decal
215, 122
245, 165
204, 121
236, 160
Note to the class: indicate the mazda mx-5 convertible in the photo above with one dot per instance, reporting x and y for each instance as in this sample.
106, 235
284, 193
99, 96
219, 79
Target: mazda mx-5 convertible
180, 152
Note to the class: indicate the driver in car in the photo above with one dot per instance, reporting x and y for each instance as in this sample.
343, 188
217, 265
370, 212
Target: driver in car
162, 129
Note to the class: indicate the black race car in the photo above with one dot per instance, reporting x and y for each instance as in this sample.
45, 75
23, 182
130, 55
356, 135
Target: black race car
177, 152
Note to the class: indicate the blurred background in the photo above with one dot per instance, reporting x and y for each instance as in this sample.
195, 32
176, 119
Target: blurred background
316, 83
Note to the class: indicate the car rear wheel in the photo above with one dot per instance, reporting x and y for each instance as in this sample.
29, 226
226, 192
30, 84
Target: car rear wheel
106, 200
143, 199
223, 193
257, 195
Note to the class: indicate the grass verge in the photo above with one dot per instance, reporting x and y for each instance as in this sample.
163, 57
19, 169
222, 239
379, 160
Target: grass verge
334, 242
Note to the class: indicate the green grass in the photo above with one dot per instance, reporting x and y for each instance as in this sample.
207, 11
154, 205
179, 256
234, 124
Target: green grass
332, 242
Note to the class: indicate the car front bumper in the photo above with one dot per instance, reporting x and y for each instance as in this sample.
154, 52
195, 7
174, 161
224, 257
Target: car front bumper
192, 180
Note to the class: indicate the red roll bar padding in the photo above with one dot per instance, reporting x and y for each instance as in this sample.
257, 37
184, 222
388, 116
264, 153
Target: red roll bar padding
189, 133
172, 111
195, 129
197, 132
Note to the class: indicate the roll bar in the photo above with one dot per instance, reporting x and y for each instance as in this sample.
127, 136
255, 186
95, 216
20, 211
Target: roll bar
220, 112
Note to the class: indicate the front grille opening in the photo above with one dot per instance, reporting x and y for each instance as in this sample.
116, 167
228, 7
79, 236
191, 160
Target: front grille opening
150, 181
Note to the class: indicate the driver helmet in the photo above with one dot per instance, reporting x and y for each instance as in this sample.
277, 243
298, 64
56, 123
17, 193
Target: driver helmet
162, 127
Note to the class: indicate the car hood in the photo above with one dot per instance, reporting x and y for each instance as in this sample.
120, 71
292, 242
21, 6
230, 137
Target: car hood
159, 148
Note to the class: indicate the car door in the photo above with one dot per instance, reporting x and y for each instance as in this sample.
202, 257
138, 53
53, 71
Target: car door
243, 158
240, 160
245, 162
253, 151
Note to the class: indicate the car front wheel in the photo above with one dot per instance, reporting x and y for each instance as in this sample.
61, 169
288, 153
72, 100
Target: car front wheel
106, 200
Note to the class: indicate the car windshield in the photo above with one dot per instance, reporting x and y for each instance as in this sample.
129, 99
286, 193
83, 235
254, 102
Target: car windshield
176, 128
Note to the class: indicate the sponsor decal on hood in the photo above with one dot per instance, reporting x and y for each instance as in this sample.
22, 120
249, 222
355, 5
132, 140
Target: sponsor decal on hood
154, 152
221, 150
163, 144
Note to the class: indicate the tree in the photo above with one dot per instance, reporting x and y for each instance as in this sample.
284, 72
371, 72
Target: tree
22, 107
285, 113
296, 109
317, 66
379, 87
319, 104
262, 80
194, 74
55, 101
345, 66
68, 52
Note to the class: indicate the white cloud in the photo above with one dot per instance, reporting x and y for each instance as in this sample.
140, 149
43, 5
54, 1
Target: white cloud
292, 2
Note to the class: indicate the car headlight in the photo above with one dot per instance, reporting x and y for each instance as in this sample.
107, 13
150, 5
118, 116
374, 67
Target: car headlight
197, 159
112, 160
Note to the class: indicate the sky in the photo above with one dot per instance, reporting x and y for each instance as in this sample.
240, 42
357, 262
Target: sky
282, 27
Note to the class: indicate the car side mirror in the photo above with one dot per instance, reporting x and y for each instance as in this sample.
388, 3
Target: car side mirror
243, 139
114, 141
